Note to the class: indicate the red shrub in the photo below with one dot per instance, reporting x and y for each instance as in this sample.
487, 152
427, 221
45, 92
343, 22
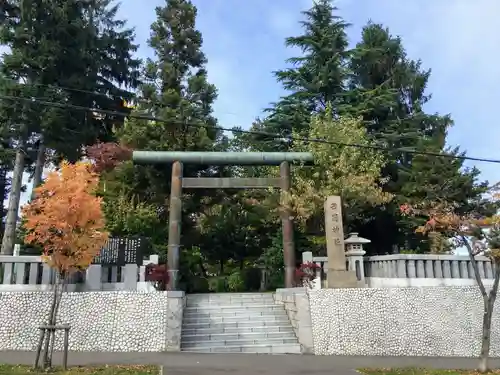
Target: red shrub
157, 274
306, 272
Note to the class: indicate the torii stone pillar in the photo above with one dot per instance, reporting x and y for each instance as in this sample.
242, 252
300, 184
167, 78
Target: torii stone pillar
337, 275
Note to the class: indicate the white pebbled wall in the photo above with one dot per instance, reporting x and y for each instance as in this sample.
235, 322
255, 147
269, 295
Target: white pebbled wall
430, 321
100, 321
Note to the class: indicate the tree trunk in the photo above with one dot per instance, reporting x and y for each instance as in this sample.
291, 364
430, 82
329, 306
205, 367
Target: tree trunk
46, 356
40, 163
488, 303
9, 235
203, 270
485, 337
3, 188
59, 288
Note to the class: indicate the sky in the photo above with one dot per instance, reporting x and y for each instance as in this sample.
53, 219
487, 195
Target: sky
244, 44
457, 39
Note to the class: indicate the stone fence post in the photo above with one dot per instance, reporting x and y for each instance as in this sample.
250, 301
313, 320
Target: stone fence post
130, 275
93, 278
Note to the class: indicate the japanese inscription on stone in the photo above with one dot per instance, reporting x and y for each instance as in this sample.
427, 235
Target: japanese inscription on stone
121, 251
334, 232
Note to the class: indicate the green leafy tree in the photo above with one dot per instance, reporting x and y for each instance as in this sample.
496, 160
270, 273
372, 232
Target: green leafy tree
272, 261
378, 83
234, 228
352, 173
315, 79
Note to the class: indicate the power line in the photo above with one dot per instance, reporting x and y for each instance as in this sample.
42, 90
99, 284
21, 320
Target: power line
58, 87
101, 94
241, 131
139, 101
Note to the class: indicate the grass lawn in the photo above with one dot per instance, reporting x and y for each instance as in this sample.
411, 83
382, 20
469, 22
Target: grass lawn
106, 370
419, 371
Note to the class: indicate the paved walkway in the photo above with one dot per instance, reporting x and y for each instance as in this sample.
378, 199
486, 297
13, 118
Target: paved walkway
247, 364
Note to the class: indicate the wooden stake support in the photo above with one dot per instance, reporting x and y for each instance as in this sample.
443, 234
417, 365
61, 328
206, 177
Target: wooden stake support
46, 332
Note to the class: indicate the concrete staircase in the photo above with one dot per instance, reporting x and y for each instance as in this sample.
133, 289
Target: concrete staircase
237, 322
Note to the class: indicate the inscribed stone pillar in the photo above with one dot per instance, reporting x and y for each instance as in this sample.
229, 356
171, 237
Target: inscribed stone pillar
337, 276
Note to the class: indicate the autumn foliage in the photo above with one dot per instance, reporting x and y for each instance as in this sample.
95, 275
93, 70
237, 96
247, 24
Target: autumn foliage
480, 235
157, 274
106, 156
444, 218
306, 273
65, 218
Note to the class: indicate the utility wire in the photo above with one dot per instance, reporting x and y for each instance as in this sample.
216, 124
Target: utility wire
140, 101
241, 131
58, 87
108, 95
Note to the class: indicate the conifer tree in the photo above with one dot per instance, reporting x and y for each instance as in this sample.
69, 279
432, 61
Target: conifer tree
176, 90
66, 52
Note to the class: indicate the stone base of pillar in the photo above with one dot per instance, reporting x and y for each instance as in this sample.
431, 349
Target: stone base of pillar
341, 279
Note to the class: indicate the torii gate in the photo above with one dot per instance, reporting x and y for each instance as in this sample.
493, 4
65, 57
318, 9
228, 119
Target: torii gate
178, 158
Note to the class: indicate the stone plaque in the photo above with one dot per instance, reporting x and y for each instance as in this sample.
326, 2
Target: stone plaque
120, 251
334, 232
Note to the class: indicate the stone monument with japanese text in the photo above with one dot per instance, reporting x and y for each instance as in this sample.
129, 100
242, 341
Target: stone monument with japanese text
337, 275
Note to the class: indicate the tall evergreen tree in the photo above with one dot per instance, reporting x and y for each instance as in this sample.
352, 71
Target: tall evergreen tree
313, 80
389, 91
175, 86
176, 89
82, 50
379, 83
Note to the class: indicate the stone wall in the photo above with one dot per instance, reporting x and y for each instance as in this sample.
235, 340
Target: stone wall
432, 321
100, 321
296, 303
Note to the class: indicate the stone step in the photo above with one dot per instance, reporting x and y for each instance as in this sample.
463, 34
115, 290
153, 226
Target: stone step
228, 313
237, 336
229, 295
229, 299
234, 319
217, 304
264, 349
208, 324
223, 329
237, 323
242, 307
238, 342
224, 303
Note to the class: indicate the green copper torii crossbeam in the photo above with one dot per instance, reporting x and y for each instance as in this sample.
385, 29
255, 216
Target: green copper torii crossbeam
178, 158
221, 158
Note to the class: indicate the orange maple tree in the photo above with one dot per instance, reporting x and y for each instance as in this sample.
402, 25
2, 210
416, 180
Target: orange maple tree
66, 219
